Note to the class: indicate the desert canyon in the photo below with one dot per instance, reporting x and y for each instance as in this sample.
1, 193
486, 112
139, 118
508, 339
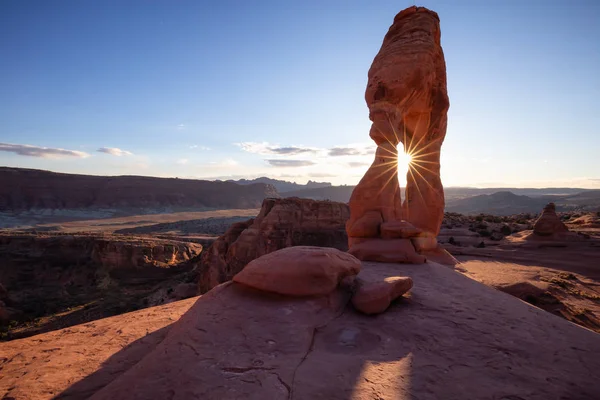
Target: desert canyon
134, 288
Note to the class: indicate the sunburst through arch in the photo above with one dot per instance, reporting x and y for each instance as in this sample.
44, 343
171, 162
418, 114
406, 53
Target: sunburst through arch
403, 163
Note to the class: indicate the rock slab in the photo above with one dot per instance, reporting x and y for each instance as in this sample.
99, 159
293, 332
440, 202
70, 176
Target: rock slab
299, 271
453, 338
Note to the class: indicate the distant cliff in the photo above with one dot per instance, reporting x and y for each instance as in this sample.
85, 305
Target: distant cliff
283, 186
27, 189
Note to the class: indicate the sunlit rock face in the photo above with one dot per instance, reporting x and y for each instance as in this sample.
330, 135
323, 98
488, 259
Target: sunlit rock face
408, 103
548, 223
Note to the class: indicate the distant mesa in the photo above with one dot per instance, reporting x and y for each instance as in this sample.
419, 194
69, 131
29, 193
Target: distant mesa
42, 192
283, 186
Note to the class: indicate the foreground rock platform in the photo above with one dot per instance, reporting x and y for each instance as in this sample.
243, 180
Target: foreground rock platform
450, 337
79, 360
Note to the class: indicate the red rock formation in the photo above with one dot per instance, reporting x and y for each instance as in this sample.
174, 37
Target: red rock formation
376, 297
281, 223
299, 271
548, 223
408, 102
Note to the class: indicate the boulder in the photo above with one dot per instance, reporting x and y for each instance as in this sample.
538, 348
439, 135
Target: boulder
299, 271
424, 243
548, 223
366, 226
376, 297
281, 223
392, 251
399, 229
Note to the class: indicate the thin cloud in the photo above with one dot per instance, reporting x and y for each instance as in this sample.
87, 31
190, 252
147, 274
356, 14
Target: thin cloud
113, 151
266, 148
195, 146
344, 151
321, 175
290, 163
41, 152
356, 164
228, 162
357, 150
183, 161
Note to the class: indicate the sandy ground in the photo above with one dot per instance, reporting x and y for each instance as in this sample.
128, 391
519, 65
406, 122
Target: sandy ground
561, 278
110, 225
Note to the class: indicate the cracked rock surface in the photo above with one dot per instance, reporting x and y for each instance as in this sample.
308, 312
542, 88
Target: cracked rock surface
450, 337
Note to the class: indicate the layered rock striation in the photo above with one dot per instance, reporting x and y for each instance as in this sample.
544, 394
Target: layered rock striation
281, 223
55, 280
408, 103
548, 223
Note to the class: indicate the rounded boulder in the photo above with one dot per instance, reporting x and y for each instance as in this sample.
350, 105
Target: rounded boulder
299, 271
376, 297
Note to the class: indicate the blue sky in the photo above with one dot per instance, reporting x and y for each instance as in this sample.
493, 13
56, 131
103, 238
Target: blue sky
244, 89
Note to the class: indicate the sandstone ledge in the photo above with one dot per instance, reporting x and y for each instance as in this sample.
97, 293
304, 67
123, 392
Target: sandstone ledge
452, 338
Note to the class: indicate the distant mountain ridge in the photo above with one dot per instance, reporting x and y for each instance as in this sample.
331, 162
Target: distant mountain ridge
281, 185
27, 189
499, 201
333, 193
56, 195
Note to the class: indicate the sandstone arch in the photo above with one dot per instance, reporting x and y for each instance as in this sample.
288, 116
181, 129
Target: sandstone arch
408, 103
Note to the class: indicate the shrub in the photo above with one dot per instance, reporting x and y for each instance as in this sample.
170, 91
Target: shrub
505, 230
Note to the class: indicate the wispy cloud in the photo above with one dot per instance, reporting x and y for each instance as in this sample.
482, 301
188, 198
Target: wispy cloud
182, 161
42, 152
113, 151
266, 148
357, 164
321, 175
290, 163
228, 162
351, 150
195, 146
